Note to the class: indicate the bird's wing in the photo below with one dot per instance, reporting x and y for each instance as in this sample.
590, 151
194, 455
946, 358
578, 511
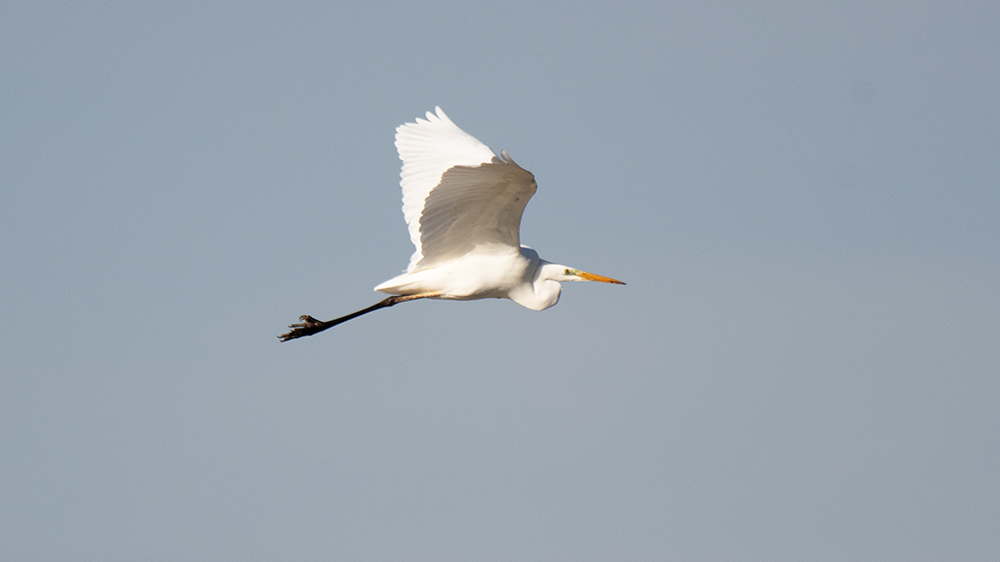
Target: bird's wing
457, 193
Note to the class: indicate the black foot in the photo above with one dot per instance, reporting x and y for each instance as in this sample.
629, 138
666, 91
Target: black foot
307, 326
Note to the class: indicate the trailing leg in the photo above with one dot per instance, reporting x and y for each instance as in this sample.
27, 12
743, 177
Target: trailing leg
308, 325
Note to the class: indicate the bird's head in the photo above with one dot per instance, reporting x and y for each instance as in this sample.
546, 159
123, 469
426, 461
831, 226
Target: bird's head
544, 291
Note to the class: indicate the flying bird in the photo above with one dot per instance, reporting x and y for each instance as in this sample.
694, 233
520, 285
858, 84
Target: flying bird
463, 206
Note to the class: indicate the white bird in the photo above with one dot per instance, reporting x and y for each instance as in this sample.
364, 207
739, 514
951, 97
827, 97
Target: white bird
463, 207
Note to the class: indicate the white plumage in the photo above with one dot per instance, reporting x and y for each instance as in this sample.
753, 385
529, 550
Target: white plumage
463, 205
429, 148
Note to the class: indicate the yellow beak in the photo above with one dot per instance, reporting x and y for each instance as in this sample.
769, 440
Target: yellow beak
601, 278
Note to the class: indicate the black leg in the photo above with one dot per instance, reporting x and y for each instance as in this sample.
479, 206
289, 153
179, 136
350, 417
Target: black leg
308, 325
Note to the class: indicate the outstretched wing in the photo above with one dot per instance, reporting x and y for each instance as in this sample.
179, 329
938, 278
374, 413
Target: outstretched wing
457, 193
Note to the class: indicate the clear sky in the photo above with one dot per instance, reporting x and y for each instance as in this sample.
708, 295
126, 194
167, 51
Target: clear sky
803, 199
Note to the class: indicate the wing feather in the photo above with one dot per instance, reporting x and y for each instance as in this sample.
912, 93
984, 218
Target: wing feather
457, 194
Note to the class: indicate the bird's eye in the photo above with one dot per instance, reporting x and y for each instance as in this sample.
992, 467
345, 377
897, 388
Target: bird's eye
567, 272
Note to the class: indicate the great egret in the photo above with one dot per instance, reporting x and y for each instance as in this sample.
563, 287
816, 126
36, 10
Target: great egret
463, 206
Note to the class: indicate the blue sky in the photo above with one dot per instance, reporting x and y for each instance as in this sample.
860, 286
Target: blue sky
803, 200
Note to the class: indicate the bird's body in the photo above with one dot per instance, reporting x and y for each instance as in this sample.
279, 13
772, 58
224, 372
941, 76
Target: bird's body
463, 207
473, 276
520, 276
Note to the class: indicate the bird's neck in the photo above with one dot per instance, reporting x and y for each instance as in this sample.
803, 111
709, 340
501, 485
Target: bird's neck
542, 291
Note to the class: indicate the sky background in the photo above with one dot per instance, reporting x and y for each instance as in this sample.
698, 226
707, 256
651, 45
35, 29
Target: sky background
803, 200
